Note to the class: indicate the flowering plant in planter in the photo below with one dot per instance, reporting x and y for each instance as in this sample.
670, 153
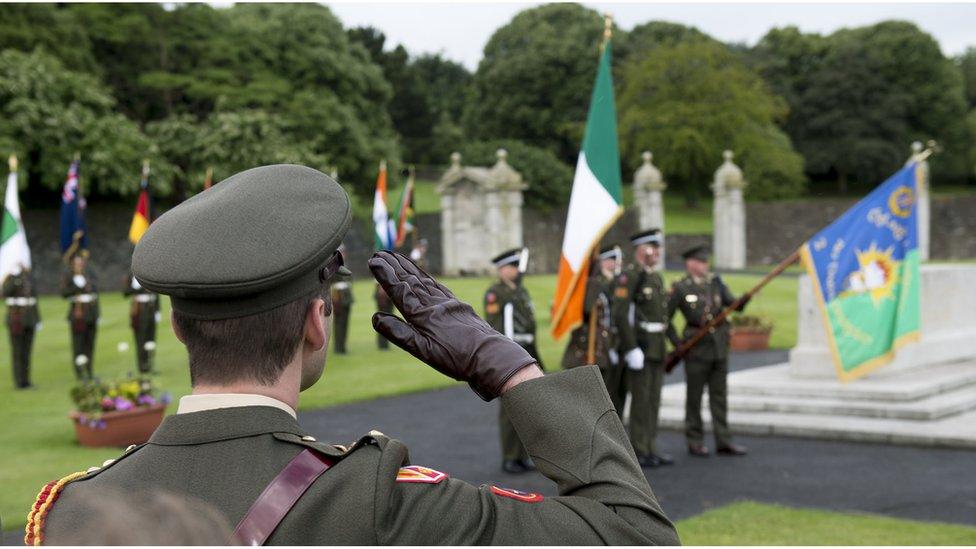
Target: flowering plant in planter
750, 332
94, 398
754, 323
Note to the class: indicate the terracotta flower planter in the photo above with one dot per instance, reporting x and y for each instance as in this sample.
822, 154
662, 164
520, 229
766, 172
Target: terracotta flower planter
749, 339
119, 428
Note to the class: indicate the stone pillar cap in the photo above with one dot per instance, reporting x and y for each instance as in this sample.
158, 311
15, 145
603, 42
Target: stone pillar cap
648, 176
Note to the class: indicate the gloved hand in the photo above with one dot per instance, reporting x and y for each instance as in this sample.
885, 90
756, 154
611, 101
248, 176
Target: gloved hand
614, 357
441, 330
635, 359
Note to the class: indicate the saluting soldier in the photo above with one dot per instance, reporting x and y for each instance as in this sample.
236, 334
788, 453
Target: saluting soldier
78, 286
383, 305
701, 295
23, 316
287, 487
509, 309
640, 306
342, 302
142, 317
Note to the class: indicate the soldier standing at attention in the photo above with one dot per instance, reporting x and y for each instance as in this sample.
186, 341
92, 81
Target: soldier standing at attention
342, 301
700, 296
640, 307
509, 310
23, 316
383, 305
142, 318
78, 286
265, 339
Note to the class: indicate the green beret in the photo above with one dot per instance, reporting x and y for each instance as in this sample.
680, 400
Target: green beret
255, 241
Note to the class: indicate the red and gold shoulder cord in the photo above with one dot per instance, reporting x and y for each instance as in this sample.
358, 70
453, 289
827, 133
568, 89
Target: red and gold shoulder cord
42, 505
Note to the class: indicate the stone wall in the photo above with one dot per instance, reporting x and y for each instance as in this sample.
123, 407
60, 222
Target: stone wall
775, 229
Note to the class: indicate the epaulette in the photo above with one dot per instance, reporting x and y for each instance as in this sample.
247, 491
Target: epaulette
49, 494
335, 451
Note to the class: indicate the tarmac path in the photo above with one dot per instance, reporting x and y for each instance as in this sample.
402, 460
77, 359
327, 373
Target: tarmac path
452, 430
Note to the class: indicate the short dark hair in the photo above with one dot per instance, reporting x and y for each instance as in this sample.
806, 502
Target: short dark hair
249, 348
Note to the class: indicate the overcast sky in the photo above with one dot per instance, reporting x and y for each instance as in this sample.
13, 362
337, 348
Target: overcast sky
460, 30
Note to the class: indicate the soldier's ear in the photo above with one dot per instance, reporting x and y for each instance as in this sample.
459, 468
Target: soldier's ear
317, 324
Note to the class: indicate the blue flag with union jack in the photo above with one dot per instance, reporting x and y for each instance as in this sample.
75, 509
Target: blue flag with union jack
74, 232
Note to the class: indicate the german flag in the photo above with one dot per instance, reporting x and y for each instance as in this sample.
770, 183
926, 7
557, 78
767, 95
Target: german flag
140, 220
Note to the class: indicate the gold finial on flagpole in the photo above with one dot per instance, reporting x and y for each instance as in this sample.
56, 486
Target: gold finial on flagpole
12, 162
607, 30
145, 167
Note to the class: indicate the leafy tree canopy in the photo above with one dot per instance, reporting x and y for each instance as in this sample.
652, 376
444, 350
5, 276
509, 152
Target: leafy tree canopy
549, 179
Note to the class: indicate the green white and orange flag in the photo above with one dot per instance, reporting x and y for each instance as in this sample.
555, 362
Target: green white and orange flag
140, 219
595, 203
14, 253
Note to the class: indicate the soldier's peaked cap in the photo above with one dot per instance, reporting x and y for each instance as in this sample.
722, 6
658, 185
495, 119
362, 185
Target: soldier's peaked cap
508, 257
609, 252
255, 241
697, 252
650, 236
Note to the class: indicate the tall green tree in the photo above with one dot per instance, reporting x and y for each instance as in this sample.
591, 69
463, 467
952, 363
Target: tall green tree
691, 101
535, 77
49, 112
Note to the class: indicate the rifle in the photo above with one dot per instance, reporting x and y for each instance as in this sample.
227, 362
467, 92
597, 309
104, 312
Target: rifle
675, 357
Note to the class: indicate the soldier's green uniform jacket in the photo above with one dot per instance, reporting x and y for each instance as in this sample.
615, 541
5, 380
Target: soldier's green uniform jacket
84, 307
342, 294
699, 301
640, 311
369, 497
21, 300
511, 312
145, 304
596, 301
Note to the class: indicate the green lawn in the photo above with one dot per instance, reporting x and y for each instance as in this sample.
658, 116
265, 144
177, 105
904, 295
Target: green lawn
749, 523
38, 440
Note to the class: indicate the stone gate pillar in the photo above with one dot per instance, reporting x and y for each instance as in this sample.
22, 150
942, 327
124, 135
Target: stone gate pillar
648, 186
729, 231
923, 202
481, 214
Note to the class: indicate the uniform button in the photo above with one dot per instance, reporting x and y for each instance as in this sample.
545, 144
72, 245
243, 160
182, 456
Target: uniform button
93, 469
130, 448
108, 462
308, 438
375, 433
711, 330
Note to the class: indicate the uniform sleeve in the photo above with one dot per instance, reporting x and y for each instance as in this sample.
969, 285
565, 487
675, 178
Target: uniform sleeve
494, 314
623, 299
727, 297
674, 299
577, 442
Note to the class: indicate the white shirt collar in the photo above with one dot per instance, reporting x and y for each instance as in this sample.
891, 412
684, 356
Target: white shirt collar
200, 403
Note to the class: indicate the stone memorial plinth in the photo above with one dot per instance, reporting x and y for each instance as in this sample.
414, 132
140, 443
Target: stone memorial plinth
648, 189
729, 216
481, 214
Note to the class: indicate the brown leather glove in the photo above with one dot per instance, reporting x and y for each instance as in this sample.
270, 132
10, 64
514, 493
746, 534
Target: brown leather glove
441, 330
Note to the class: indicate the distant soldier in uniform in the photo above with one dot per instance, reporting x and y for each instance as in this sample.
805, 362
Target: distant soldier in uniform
142, 318
419, 253
384, 305
640, 306
78, 286
287, 488
23, 316
342, 302
509, 309
597, 320
700, 296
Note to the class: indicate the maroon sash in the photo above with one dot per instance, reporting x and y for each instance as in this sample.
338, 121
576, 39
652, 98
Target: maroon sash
280, 496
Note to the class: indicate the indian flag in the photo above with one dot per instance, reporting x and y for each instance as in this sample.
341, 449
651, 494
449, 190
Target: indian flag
140, 219
14, 253
595, 203
383, 232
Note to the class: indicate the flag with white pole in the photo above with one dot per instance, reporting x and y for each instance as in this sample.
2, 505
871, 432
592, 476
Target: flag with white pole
14, 253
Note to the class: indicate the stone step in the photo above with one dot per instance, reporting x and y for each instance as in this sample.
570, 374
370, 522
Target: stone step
924, 409
957, 431
904, 386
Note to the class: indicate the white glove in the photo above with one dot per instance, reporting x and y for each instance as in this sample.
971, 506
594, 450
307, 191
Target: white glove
635, 359
158, 316
614, 357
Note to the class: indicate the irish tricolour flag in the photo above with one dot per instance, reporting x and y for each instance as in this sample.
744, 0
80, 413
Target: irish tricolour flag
595, 203
14, 253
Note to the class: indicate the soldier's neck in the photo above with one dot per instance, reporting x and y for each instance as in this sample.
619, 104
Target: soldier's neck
285, 389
